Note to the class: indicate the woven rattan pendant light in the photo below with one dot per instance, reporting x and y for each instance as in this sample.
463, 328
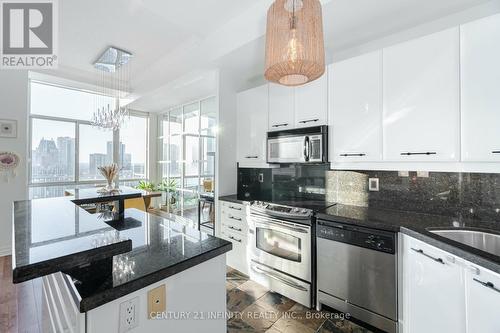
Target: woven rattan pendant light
295, 52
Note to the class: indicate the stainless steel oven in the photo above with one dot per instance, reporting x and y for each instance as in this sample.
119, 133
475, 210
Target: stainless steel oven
281, 249
303, 145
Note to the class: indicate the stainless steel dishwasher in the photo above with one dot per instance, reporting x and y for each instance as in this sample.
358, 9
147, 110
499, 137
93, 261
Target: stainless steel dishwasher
357, 272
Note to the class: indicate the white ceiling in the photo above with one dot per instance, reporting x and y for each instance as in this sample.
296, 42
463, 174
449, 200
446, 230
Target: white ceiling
178, 44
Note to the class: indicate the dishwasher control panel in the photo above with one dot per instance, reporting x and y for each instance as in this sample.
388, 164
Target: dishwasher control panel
377, 240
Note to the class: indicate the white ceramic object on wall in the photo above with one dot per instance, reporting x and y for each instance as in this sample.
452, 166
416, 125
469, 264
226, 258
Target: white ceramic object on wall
8, 164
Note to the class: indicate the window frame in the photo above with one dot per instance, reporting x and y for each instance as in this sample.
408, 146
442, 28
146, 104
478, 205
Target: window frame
161, 161
77, 124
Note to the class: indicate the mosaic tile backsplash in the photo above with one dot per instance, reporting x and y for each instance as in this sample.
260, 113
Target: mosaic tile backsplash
471, 195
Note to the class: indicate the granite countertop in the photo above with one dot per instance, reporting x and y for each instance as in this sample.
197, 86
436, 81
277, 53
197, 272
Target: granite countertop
232, 198
90, 195
418, 225
52, 235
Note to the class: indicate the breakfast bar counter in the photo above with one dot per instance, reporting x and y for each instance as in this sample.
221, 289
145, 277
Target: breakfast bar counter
102, 264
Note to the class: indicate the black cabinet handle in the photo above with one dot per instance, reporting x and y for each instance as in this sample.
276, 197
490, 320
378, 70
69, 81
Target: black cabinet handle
308, 121
235, 239
488, 284
234, 218
235, 208
252, 157
353, 155
233, 228
281, 125
423, 153
495, 152
439, 260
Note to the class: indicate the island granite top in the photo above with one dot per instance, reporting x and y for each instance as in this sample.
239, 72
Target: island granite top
52, 235
419, 225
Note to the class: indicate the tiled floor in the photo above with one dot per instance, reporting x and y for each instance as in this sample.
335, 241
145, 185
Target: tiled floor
256, 309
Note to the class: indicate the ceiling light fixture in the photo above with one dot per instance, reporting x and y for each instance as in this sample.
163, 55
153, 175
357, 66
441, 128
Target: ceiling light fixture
114, 79
295, 52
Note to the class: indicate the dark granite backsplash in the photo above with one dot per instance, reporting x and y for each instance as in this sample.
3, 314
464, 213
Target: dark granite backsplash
468, 195
294, 182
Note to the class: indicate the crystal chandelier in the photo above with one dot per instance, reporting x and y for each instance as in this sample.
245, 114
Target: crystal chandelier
114, 79
110, 118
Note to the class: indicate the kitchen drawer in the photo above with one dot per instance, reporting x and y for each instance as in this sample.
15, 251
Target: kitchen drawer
233, 215
237, 230
235, 237
235, 220
233, 208
237, 258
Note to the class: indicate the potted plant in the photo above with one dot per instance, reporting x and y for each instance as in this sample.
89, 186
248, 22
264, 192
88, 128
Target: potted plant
146, 186
170, 188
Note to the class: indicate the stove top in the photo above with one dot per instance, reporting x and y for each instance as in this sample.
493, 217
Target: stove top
317, 206
300, 209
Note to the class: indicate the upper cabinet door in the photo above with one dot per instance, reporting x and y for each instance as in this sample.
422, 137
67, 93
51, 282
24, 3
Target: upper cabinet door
356, 109
252, 126
480, 65
281, 107
311, 103
421, 120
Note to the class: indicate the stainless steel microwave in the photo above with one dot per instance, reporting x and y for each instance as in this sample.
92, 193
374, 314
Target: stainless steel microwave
301, 145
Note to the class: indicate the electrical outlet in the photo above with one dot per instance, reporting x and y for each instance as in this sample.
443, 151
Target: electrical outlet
373, 184
157, 299
129, 314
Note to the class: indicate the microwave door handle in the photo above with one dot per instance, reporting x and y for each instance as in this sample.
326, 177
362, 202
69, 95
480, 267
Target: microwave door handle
306, 148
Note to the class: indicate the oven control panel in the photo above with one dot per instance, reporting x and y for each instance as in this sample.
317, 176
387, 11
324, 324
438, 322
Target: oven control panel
281, 210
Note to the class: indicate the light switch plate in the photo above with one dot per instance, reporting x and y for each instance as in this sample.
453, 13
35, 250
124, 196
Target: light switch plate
373, 184
157, 301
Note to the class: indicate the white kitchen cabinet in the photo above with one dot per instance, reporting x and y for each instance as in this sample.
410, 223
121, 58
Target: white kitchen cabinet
421, 119
311, 103
252, 120
281, 107
433, 289
234, 228
483, 300
356, 109
480, 79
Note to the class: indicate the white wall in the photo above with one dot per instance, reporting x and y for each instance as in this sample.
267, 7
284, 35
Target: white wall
225, 177
14, 103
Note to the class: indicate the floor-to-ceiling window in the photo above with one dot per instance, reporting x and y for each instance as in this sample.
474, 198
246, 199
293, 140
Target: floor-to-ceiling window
66, 150
187, 155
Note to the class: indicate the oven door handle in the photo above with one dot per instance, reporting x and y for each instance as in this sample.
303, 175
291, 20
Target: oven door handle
261, 270
270, 224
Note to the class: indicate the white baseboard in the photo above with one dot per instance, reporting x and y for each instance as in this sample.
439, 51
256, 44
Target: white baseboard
5, 251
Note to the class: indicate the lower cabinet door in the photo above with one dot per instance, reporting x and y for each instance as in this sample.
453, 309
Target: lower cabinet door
237, 258
433, 290
483, 300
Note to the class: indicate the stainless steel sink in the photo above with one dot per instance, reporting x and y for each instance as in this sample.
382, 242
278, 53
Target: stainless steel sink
483, 241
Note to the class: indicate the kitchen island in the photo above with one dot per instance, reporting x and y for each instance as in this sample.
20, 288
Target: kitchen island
136, 272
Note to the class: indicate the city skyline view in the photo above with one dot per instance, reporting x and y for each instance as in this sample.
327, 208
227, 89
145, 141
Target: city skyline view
54, 161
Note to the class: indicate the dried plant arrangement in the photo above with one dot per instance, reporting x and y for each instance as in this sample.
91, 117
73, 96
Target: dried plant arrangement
109, 172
